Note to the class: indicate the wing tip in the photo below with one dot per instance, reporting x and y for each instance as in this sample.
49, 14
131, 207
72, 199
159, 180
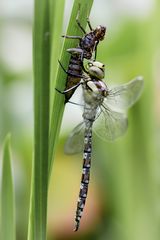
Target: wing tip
140, 78
140, 81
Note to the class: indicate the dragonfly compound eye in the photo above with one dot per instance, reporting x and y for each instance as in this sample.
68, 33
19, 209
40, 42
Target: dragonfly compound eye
96, 72
90, 64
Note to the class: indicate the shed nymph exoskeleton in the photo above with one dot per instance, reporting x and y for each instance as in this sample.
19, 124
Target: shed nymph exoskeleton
86, 49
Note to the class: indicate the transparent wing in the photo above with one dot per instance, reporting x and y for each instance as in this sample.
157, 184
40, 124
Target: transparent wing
110, 124
74, 143
124, 96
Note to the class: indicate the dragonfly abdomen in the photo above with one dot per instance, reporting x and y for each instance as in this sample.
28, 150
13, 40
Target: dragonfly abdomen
85, 175
76, 69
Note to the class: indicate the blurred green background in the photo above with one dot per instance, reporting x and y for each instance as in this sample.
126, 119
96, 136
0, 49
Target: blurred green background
124, 195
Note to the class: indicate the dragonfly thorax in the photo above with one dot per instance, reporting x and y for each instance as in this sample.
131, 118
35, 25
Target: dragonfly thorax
98, 88
95, 91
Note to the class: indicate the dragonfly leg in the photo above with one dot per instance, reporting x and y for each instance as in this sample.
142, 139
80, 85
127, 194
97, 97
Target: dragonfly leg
95, 50
69, 89
69, 73
75, 51
78, 104
89, 24
59, 91
71, 37
78, 22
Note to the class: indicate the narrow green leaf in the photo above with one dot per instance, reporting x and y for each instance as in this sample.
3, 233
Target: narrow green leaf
56, 23
41, 68
58, 100
8, 225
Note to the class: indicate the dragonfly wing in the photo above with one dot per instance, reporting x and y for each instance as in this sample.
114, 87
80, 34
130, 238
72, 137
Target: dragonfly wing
124, 96
110, 124
74, 143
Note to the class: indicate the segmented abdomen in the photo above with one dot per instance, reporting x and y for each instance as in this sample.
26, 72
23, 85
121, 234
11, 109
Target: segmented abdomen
76, 69
85, 174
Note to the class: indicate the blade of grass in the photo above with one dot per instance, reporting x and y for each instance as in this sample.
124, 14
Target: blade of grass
58, 99
8, 225
56, 23
41, 68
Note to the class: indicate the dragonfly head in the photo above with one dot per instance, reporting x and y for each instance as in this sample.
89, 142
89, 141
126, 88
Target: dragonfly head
100, 32
96, 69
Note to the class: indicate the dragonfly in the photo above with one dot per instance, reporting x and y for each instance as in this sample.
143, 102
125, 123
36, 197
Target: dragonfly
104, 110
85, 49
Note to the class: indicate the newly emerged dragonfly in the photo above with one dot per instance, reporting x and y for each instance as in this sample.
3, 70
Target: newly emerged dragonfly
106, 110
85, 49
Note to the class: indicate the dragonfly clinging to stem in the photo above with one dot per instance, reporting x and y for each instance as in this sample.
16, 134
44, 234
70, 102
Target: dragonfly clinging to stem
105, 110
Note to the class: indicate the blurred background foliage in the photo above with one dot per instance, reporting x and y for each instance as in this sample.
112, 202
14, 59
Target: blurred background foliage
123, 200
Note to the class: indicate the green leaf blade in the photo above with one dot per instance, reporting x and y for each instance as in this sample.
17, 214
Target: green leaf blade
8, 225
58, 99
41, 64
56, 24
44, 145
